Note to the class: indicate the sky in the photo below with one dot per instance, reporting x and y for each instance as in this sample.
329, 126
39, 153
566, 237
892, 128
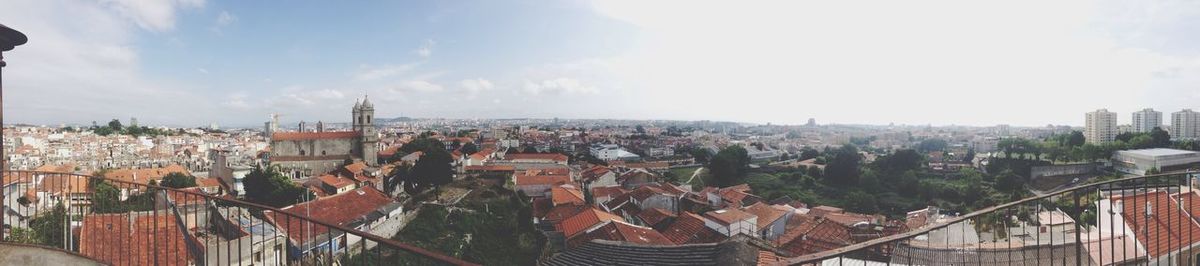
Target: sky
197, 62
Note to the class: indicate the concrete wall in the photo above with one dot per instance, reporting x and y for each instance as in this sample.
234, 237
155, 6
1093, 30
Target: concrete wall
1061, 170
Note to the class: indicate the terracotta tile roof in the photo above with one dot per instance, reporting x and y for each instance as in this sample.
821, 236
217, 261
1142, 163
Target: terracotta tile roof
208, 182
558, 157
621, 231
848, 219
314, 135
355, 168
490, 168
824, 235
529, 180
67, 183
559, 213
728, 216
591, 174
600, 192
147, 240
654, 216
64, 168
689, 228
144, 175
341, 209
766, 214
584, 220
335, 181
566, 194
1160, 232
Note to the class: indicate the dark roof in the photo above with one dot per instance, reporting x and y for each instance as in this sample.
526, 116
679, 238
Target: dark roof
603, 252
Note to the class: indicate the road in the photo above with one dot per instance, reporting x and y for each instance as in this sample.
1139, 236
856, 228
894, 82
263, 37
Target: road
694, 174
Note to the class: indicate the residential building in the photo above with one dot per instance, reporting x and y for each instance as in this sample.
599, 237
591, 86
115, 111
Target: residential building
364, 209
1100, 126
1146, 120
1185, 125
732, 221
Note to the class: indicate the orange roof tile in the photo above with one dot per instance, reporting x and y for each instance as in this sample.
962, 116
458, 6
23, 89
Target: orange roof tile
689, 228
340, 209
585, 220
728, 216
621, 231
566, 194
766, 214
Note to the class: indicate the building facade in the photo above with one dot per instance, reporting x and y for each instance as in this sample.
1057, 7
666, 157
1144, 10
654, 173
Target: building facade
1100, 126
1146, 120
1185, 125
308, 153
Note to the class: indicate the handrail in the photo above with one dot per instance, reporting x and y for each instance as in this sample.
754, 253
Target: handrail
399, 245
828, 254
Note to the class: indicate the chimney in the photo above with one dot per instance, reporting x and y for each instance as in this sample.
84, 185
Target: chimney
1149, 209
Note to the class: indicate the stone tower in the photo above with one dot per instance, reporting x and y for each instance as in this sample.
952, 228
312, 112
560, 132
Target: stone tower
364, 115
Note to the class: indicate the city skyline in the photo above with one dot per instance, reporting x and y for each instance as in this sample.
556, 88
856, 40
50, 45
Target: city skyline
197, 62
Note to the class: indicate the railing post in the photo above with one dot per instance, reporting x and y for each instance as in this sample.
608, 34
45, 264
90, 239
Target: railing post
1079, 242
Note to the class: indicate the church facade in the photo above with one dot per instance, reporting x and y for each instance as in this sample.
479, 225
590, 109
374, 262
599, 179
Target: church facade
306, 153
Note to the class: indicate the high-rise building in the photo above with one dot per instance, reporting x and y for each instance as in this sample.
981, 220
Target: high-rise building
1100, 126
1185, 125
1146, 120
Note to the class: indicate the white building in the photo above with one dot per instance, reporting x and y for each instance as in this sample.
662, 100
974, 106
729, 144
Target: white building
1146, 120
1100, 126
1185, 125
612, 152
1139, 161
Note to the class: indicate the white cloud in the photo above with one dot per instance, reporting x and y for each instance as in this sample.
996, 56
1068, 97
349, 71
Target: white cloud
202, 70
224, 19
419, 86
426, 48
476, 85
557, 86
151, 15
769, 57
367, 74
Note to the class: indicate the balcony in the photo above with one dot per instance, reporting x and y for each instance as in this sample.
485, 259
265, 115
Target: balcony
1153, 219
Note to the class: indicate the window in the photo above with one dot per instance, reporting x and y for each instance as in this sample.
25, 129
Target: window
322, 152
258, 256
301, 152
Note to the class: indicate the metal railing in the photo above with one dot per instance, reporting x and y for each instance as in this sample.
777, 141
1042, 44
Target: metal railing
125, 223
1152, 219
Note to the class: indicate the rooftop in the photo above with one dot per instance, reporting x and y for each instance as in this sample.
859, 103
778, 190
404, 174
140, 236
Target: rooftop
1158, 152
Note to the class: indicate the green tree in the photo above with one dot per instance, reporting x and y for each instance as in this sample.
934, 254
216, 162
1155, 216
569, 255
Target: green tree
1160, 138
432, 170
115, 125
178, 180
729, 166
1075, 139
843, 167
929, 145
48, 227
270, 187
809, 153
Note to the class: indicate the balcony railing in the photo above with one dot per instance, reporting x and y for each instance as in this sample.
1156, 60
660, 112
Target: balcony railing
124, 223
1152, 219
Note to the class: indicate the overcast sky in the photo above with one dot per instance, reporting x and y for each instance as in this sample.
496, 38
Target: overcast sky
195, 62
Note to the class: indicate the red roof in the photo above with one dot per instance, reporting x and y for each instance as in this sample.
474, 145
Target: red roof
335, 181
1161, 232
653, 216
824, 235
600, 192
148, 240
530, 180
566, 195
585, 220
340, 209
314, 135
689, 228
766, 214
621, 231
536, 156
490, 168
728, 216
